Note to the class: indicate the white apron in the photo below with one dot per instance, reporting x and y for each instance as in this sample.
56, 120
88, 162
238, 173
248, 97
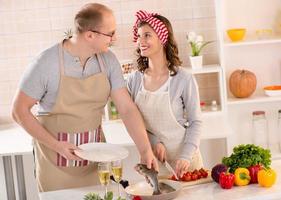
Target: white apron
159, 119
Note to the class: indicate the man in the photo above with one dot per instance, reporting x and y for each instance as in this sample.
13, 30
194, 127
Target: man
71, 82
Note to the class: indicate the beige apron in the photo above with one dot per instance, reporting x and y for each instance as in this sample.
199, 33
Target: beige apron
159, 119
76, 118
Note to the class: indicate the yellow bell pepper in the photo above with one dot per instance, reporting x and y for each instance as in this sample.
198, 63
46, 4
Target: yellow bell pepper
242, 176
266, 177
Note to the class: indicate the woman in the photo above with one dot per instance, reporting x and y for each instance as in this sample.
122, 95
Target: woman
71, 82
166, 95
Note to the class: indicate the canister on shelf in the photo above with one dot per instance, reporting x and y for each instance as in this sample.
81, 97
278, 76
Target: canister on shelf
214, 106
260, 129
203, 105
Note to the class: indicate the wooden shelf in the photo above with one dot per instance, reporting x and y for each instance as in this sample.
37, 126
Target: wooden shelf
253, 41
252, 99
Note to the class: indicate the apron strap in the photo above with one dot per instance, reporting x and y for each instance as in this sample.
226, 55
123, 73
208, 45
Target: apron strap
101, 63
61, 59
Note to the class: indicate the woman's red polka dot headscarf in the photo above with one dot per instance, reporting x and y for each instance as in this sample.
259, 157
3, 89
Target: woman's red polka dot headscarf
157, 25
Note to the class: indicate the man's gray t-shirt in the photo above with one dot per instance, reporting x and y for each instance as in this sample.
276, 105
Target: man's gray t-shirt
41, 79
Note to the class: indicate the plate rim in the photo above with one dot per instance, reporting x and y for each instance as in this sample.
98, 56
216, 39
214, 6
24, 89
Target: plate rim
77, 152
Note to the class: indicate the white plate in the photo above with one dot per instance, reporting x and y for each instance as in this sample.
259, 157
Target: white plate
144, 190
102, 152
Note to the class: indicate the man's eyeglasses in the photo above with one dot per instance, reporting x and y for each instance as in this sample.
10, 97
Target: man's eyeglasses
105, 34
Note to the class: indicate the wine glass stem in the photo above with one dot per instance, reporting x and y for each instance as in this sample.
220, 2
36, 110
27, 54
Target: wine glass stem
119, 189
106, 191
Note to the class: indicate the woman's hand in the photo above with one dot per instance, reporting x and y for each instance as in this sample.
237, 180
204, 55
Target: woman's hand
160, 152
182, 167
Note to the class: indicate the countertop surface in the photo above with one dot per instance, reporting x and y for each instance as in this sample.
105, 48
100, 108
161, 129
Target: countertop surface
14, 140
208, 191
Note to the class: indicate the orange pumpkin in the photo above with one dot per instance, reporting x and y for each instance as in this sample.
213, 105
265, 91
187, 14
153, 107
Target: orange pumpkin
242, 83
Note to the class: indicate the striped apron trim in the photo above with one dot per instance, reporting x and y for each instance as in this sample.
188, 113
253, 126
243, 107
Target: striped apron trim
77, 139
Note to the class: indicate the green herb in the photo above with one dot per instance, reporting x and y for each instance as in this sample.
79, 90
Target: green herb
246, 156
94, 196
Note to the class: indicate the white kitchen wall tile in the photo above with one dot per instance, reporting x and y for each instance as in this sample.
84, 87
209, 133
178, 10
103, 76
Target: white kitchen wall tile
196, 3
203, 12
6, 5
128, 17
180, 14
18, 4
35, 4
204, 24
133, 5
65, 3
54, 3
118, 17
66, 12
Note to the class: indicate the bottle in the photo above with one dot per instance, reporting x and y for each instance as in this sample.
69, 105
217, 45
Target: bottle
260, 132
279, 129
203, 106
214, 106
114, 113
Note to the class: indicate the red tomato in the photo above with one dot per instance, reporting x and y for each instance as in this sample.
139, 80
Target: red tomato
187, 177
194, 177
173, 178
205, 175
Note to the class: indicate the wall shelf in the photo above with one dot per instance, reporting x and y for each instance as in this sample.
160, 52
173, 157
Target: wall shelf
252, 99
253, 41
205, 69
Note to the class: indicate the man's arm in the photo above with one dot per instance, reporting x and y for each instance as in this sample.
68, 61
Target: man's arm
21, 113
134, 124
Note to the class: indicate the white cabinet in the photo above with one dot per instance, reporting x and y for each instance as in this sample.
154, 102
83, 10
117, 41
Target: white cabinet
260, 55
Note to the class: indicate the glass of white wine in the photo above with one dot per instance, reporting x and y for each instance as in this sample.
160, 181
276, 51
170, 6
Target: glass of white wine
104, 174
116, 167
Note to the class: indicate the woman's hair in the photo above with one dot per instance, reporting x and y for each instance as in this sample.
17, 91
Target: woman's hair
89, 17
170, 48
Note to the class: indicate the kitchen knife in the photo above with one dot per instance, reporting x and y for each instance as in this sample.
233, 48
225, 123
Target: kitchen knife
169, 167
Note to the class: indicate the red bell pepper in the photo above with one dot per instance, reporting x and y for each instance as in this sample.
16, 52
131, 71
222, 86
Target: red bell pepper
254, 173
226, 180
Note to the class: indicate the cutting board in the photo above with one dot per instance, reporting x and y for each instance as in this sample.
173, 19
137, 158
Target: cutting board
208, 179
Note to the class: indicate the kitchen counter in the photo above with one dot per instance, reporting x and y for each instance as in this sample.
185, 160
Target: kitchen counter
14, 143
209, 191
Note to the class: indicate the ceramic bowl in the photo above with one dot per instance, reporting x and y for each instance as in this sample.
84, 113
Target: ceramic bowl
273, 90
237, 34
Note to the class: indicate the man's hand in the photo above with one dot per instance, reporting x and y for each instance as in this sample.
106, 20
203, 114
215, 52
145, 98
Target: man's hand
182, 167
66, 150
160, 152
149, 159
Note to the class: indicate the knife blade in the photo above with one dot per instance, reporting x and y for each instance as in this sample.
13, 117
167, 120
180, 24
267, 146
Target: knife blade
169, 167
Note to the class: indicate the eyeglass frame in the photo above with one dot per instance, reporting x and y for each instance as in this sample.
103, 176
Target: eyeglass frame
105, 34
